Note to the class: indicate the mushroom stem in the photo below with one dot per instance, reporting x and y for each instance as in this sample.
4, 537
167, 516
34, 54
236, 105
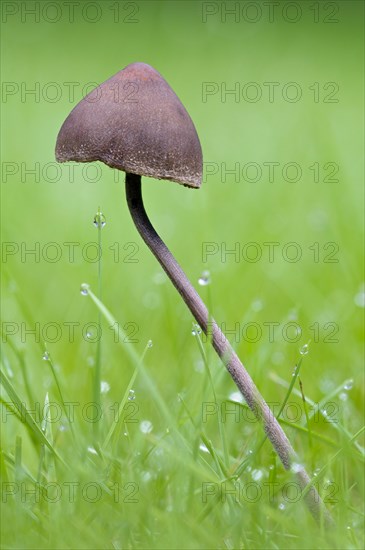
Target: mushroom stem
221, 345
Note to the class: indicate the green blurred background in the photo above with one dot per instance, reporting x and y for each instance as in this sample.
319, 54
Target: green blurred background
318, 47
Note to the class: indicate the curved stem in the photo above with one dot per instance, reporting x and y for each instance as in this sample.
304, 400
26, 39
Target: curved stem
223, 348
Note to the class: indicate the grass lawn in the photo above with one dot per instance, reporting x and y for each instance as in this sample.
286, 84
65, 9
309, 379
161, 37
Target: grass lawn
120, 427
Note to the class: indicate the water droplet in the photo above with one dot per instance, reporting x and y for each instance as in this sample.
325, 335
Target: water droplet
327, 385
295, 370
160, 278
304, 350
146, 476
45, 356
237, 397
146, 427
203, 448
150, 344
257, 305
204, 279
199, 365
257, 475
359, 299
84, 289
281, 506
196, 329
104, 386
99, 220
92, 450
250, 452
293, 316
296, 468
132, 395
348, 385
89, 335
318, 219
343, 396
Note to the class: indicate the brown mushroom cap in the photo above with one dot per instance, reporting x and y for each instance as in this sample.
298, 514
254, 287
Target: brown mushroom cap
136, 123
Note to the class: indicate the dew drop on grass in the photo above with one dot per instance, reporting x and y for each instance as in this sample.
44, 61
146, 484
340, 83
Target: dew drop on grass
159, 278
348, 385
146, 427
199, 365
359, 299
257, 475
104, 386
196, 329
237, 397
304, 350
45, 356
146, 476
293, 316
99, 220
92, 450
343, 396
84, 289
150, 344
204, 279
281, 506
132, 395
203, 448
257, 305
296, 468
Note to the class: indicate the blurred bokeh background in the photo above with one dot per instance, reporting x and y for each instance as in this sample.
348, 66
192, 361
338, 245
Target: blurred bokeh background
275, 91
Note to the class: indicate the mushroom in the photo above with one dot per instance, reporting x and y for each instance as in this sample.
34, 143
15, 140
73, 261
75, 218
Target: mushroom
135, 122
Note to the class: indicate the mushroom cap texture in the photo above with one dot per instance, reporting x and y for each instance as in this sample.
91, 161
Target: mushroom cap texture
136, 123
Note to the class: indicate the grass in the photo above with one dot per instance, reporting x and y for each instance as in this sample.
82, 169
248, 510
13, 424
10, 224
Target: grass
120, 428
